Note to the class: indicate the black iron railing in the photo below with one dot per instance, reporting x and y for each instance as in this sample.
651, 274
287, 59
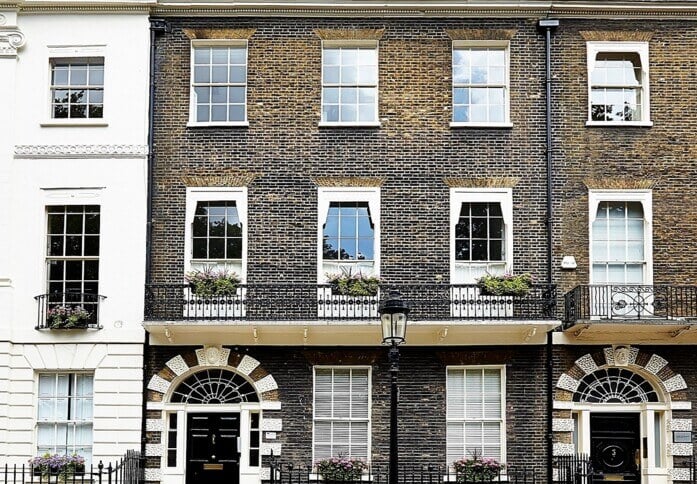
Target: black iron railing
572, 469
177, 302
630, 302
127, 470
68, 310
426, 474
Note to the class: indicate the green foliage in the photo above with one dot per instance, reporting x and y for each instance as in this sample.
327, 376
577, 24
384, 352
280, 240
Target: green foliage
347, 284
341, 469
506, 285
64, 467
477, 469
211, 283
66, 317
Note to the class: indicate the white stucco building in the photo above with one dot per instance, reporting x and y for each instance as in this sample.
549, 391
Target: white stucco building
73, 178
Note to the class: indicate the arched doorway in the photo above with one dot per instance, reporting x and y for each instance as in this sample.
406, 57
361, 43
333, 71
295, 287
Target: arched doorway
214, 450
617, 398
618, 405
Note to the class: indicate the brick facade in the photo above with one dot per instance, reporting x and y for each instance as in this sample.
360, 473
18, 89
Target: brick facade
422, 397
415, 157
661, 156
414, 150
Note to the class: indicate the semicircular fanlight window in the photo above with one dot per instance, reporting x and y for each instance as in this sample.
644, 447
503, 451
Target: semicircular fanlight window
615, 385
215, 386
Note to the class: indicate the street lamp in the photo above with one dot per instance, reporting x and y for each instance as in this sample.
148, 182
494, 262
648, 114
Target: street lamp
393, 318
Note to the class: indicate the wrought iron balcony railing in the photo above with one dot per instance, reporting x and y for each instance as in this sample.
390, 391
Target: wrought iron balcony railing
177, 302
68, 310
630, 302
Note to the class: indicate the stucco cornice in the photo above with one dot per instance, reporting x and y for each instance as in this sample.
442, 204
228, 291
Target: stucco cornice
371, 8
483, 8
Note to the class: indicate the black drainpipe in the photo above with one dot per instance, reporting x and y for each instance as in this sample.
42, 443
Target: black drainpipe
547, 25
157, 26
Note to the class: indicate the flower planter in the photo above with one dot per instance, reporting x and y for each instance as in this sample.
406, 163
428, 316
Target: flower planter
506, 285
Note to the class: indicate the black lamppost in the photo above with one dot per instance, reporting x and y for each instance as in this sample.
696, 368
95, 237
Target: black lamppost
393, 318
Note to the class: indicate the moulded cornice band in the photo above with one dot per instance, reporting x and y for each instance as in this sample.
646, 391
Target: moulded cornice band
81, 151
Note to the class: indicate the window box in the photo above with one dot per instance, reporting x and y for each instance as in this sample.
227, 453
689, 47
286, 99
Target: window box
66, 317
505, 285
347, 284
212, 283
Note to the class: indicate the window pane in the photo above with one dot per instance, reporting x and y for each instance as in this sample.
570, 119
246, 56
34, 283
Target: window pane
237, 113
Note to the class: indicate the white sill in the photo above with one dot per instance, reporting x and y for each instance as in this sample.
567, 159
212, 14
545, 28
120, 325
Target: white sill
619, 123
65, 122
480, 125
372, 124
235, 124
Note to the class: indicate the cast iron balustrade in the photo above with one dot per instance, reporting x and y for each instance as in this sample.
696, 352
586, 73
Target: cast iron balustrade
408, 474
177, 302
630, 302
572, 469
51, 305
127, 470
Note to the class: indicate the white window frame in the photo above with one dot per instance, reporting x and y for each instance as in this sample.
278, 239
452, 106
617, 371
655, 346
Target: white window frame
326, 195
505, 45
74, 52
502, 420
593, 48
37, 398
214, 194
645, 197
503, 196
370, 401
349, 44
192, 93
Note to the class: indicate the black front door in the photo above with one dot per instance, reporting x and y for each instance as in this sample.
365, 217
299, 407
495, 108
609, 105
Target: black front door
212, 456
615, 448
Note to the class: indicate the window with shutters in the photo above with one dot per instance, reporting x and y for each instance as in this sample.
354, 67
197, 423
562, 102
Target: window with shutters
475, 412
341, 425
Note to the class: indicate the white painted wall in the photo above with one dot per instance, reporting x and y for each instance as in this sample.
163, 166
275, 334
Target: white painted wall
97, 165
117, 395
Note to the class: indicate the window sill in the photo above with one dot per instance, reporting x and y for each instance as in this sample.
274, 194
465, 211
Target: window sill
236, 124
619, 123
373, 124
85, 123
481, 125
